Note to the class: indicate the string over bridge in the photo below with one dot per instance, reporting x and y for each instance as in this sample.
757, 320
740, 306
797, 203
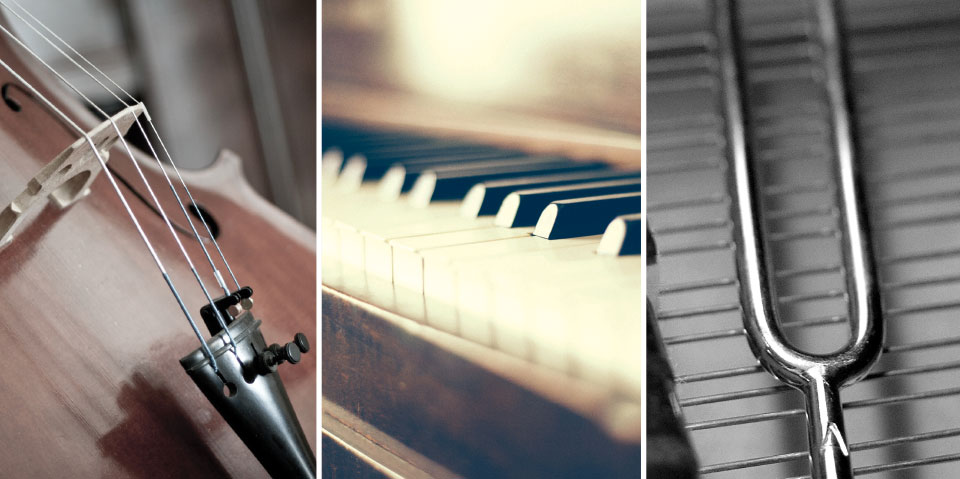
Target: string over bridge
67, 178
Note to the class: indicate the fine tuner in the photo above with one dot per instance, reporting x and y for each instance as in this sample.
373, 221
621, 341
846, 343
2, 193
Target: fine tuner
247, 391
232, 306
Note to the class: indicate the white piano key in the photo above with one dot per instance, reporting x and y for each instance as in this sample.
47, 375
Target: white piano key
377, 245
441, 283
513, 292
330, 164
440, 264
407, 252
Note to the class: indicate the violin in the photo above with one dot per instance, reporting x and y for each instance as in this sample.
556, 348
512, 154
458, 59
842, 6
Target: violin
134, 319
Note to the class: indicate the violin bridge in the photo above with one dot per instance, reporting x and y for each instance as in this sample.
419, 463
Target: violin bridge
67, 178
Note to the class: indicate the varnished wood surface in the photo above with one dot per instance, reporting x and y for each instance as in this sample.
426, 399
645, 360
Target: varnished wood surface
92, 386
354, 449
468, 408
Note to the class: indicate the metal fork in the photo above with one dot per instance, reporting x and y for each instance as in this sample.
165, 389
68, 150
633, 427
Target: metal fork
818, 376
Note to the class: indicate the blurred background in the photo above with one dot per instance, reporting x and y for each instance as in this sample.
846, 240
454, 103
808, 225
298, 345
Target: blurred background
234, 74
577, 62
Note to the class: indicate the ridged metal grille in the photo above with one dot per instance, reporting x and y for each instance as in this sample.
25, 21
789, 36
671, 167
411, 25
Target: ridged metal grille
903, 419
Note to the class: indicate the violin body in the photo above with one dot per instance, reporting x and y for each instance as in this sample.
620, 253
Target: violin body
91, 385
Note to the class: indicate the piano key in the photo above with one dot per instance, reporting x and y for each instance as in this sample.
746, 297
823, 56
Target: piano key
518, 256
407, 252
584, 216
453, 183
330, 164
356, 144
365, 226
622, 236
485, 198
524, 207
537, 324
372, 165
501, 291
441, 283
371, 247
439, 264
352, 137
400, 177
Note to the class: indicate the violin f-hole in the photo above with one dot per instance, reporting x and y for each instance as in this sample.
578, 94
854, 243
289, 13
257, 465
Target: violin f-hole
201, 213
12, 103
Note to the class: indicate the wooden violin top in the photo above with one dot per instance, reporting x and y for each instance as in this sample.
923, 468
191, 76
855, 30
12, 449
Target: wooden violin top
92, 386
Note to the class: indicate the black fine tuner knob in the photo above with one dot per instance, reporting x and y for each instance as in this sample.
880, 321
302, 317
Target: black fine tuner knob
301, 341
275, 354
291, 353
292, 350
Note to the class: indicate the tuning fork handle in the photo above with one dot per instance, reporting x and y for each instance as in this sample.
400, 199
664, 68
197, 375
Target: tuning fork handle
829, 448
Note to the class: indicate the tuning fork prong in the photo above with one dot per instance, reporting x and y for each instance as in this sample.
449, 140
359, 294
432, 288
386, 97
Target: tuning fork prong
819, 376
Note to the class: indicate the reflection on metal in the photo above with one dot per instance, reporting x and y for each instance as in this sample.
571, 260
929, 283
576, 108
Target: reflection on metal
818, 376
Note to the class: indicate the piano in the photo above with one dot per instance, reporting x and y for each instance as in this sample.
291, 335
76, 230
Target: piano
481, 238
716, 404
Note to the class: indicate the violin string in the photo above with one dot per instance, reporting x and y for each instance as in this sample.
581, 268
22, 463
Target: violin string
216, 271
133, 160
133, 217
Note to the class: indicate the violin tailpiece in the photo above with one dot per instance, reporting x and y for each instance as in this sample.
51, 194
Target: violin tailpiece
249, 393
67, 178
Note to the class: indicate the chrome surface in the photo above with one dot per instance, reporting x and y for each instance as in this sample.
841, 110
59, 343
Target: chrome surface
901, 419
818, 376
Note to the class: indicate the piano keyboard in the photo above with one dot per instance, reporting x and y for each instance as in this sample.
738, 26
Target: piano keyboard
534, 256
902, 419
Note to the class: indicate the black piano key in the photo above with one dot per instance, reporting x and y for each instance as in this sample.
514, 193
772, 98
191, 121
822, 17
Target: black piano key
453, 183
401, 176
338, 136
584, 216
523, 207
357, 141
404, 148
359, 148
622, 236
485, 198
337, 151
372, 165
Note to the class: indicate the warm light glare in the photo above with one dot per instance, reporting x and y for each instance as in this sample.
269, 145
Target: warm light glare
494, 50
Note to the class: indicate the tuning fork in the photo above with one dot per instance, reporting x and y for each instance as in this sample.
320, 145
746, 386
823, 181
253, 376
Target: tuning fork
818, 376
